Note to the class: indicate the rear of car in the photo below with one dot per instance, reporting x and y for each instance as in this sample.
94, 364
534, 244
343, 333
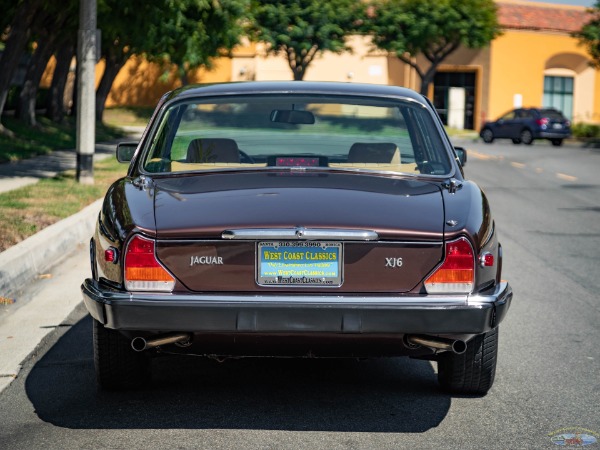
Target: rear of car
551, 124
296, 219
524, 125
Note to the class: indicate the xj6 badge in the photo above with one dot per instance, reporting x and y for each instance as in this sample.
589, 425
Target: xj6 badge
394, 263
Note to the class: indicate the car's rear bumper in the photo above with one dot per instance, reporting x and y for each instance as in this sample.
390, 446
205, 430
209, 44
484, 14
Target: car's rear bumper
229, 313
554, 134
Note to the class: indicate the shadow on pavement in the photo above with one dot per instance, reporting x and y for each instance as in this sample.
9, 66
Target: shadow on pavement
47, 166
394, 395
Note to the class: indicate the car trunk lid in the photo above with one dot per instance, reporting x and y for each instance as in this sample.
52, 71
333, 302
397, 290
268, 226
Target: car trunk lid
195, 213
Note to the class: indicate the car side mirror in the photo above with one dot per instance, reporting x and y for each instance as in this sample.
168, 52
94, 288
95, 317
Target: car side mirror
125, 151
461, 154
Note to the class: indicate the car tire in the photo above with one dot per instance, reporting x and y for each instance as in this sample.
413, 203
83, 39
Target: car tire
487, 135
117, 365
526, 137
516, 141
556, 142
473, 371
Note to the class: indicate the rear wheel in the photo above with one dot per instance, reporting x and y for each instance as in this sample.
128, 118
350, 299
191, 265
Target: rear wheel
473, 371
118, 366
556, 142
487, 135
526, 137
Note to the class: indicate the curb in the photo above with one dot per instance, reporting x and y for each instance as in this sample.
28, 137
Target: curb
22, 263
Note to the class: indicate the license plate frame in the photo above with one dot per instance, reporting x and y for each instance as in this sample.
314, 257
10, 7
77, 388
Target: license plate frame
306, 264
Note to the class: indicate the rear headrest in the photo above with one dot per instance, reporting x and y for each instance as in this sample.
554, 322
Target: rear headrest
374, 153
213, 150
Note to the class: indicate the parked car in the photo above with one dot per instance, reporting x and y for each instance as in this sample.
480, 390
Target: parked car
296, 219
524, 125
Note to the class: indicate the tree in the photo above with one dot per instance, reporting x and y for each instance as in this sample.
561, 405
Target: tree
53, 17
187, 33
589, 35
55, 108
302, 29
193, 32
18, 37
432, 28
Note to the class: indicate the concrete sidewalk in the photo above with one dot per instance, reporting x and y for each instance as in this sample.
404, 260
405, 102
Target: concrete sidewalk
14, 175
25, 322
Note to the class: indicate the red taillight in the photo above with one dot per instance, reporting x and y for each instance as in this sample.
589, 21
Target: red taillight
456, 275
142, 270
543, 121
110, 255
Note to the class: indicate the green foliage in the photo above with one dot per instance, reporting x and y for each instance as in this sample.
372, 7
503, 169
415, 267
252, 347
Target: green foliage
432, 28
44, 138
189, 33
585, 130
301, 29
8, 8
589, 35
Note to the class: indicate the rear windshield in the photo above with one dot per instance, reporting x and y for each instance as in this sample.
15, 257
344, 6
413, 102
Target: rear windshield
297, 131
552, 114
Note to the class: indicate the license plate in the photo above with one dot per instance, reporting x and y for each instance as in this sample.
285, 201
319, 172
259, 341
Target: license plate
557, 126
299, 264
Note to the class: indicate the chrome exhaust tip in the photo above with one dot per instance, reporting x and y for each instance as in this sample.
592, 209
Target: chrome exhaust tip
437, 343
139, 344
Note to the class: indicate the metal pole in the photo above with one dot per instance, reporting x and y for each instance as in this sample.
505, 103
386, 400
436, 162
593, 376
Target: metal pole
86, 96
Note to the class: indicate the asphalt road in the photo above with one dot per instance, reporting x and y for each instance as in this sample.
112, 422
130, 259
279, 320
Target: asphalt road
546, 202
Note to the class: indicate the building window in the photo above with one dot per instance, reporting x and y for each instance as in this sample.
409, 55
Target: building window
558, 93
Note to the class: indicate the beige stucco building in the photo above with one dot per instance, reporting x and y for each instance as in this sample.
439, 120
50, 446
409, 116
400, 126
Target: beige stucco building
535, 62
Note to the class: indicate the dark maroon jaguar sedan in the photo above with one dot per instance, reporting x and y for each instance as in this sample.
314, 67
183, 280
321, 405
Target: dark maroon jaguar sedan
296, 219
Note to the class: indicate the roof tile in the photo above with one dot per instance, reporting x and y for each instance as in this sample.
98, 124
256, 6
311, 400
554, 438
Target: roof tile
542, 17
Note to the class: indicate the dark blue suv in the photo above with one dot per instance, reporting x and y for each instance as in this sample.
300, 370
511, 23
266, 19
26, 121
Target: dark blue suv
523, 125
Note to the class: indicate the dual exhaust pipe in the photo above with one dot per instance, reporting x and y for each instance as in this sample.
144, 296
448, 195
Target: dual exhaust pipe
437, 343
139, 344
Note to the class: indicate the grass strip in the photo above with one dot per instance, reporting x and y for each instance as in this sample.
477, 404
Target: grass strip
26, 211
45, 137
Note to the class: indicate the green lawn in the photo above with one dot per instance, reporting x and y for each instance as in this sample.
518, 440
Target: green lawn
47, 136
25, 211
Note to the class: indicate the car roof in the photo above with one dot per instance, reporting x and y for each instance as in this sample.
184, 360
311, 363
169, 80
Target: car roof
295, 87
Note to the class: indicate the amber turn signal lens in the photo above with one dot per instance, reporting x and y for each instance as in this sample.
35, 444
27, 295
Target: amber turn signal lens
143, 272
456, 275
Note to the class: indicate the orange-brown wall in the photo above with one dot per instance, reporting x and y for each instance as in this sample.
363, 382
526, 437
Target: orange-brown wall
518, 62
140, 83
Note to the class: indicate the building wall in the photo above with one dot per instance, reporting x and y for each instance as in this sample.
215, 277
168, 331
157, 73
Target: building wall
362, 65
140, 83
521, 58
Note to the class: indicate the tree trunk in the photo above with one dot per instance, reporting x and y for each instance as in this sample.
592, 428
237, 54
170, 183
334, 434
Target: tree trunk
55, 107
74, 105
111, 71
35, 70
427, 79
15, 46
299, 72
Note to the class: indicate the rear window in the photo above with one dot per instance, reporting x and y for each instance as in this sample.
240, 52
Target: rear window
297, 131
552, 114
